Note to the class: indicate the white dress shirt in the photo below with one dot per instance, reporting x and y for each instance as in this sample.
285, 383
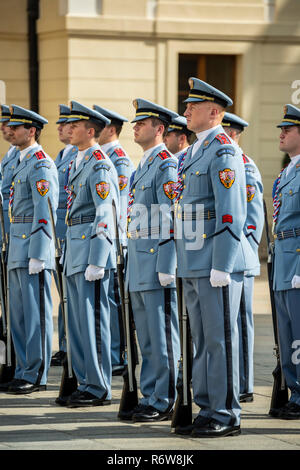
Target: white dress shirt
293, 162
25, 151
106, 147
200, 138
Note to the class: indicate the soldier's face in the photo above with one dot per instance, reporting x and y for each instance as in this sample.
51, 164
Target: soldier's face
289, 140
21, 137
79, 134
64, 132
198, 115
145, 133
105, 135
172, 142
233, 133
6, 131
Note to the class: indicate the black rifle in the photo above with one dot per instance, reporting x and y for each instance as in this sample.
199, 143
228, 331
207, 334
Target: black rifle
280, 390
129, 398
68, 383
7, 368
182, 415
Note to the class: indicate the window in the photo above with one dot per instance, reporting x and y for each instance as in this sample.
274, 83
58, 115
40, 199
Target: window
217, 70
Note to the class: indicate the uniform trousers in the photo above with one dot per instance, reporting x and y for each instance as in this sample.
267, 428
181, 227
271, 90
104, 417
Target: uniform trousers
288, 317
214, 330
62, 346
116, 320
89, 330
156, 320
246, 336
31, 323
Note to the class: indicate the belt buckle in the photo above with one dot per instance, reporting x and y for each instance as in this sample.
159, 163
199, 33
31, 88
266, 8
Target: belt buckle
282, 235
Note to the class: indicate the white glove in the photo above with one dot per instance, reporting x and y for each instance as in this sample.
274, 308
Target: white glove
296, 282
36, 266
93, 273
219, 278
165, 279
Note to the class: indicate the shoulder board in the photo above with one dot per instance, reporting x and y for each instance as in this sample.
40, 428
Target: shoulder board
120, 152
223, 138
101, 166
98, 155
43, 164
40, 155
121, 161
165, 165
164, 154
245, 159
226, 151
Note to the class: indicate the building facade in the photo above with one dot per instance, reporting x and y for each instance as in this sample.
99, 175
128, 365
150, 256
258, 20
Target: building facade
108, 52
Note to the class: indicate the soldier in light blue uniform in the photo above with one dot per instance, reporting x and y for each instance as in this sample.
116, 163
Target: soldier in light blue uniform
234, 126
152, 263
89, 256
31, 253
212, 263
109, 142
62, 162
8, 164
286, 282
178, 138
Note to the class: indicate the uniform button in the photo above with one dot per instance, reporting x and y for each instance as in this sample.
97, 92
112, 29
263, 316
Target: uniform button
80, 185
204, 235
129, 219
181, 197
23, 236
184, 186
133, 190
290, 191
298, 250
183, 176
151, 250
197, 172
13, 183
83, 237
280, 194
143, 187
19, 181
64, 170
72, 187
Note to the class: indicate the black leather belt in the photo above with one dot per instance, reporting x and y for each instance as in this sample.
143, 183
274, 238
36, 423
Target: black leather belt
83, 219
293, 232
206, 215
22, 219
